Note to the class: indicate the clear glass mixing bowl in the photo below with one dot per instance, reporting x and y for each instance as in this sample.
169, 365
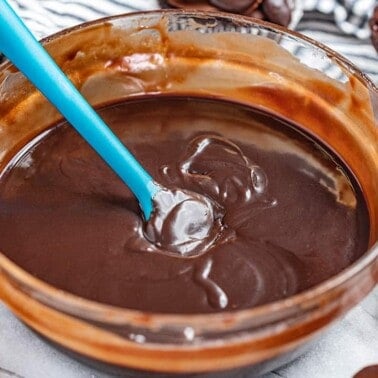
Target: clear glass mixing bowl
221, 56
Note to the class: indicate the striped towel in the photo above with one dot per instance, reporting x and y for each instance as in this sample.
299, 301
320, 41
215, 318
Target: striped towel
343, 25
340, 24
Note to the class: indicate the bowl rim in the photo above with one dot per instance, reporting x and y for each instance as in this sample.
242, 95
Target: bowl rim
76, 305
219, 14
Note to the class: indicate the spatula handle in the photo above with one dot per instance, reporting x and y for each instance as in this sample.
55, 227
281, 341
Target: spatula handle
28, 55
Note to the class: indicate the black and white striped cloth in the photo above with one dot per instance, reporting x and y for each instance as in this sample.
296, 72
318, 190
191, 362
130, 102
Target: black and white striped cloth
340, 24
343, 25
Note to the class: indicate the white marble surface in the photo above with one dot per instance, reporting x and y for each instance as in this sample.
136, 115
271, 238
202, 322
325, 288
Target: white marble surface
347, 347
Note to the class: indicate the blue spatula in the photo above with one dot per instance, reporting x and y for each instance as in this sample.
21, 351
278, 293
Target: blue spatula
27, 54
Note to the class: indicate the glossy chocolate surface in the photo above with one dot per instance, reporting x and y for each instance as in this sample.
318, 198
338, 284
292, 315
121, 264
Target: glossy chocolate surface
292, 218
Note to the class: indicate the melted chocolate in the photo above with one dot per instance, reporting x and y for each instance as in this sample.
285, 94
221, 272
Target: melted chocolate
184, 223
291, 220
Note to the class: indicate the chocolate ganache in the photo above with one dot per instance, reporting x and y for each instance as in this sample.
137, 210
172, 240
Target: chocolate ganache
290, 213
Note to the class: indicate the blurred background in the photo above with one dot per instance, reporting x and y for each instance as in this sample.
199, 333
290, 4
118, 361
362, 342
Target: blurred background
343, 25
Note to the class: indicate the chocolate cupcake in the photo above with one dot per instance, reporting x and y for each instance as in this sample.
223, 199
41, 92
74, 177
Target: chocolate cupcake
374, 28
277, 11
369, 371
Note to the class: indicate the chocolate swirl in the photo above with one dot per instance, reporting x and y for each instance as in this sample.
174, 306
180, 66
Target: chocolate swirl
279, 224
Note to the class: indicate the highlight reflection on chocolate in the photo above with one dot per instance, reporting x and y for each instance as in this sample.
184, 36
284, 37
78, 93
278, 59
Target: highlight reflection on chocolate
291, 216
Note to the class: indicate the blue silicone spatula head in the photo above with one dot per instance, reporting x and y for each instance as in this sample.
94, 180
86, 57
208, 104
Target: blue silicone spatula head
27, 54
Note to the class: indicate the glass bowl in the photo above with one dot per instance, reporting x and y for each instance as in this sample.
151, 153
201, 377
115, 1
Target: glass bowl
226, 57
